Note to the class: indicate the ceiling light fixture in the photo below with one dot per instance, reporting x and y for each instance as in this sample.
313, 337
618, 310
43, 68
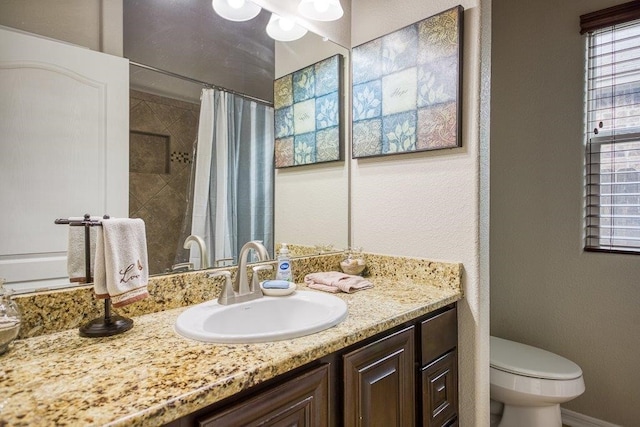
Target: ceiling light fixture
284, 29
321, 10
236, 10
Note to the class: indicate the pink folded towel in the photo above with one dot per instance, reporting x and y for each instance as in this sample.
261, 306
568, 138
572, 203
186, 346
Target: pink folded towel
334, 281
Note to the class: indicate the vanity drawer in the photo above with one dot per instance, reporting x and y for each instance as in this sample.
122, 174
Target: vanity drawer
439, 335
440, 391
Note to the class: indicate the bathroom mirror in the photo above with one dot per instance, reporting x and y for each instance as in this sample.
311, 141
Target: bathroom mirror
298, 191
190, 41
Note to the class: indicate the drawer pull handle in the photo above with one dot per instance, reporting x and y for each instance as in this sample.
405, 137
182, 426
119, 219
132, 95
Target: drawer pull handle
440, 388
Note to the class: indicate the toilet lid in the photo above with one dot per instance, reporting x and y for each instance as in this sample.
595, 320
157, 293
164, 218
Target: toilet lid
522, 359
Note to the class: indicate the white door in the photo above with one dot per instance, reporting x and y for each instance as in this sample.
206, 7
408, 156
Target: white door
64, 150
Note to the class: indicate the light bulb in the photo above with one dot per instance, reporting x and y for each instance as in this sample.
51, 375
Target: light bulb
236, 10
286, 24
236, 4
321, 10
284, 29
321, 5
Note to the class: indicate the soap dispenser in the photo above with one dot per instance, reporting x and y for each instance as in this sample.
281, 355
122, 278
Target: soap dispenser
284, 265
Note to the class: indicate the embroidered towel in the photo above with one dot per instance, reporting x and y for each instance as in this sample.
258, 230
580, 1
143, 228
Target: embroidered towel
121, 264
334, 281
76, 268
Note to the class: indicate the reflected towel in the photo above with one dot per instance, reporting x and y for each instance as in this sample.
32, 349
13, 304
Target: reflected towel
121, 263
76, 268
334, 281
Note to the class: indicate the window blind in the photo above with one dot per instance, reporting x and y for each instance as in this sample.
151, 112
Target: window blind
613, 139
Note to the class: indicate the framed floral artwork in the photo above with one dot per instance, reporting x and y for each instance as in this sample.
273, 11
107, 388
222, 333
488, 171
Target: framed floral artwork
406, 88
308, 114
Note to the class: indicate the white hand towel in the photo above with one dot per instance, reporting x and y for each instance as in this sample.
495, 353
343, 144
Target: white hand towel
121, 264
76, 253
334, 281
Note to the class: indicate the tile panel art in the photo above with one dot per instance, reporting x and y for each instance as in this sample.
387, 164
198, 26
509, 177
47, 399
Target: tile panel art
406, 88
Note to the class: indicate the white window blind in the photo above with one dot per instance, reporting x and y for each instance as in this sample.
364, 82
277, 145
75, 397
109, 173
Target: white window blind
613, 139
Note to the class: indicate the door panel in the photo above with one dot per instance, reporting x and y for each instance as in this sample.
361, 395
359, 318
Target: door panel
64, 150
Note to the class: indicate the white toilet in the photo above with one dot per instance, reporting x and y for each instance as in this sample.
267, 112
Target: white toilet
528, 385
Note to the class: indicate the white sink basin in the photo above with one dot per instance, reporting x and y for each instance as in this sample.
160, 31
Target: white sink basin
262, 320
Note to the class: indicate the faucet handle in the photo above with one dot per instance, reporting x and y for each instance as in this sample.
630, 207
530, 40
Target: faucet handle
182, 266
255, 280
227, 289
221, 261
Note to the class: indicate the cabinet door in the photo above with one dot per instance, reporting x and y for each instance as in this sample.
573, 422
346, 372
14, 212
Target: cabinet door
303, 401
379, 383
440, 391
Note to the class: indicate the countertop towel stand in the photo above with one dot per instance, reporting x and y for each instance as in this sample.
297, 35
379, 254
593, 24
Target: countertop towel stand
102, 326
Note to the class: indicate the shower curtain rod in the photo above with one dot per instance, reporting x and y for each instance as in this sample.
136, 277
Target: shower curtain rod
200, 82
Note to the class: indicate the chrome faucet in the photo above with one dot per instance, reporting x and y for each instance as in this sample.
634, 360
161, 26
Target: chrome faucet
204, 259
242, 290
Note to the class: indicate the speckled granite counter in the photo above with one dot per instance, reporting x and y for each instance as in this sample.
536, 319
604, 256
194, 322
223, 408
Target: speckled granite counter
150, 375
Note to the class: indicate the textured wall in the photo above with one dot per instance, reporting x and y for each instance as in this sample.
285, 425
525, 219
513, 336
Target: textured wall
428, 204
545, 291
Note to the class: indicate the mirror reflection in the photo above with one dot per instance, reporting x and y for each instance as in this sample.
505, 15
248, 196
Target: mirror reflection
255, 219
305, 207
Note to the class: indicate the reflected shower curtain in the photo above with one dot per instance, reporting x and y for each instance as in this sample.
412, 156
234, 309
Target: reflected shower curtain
233, 184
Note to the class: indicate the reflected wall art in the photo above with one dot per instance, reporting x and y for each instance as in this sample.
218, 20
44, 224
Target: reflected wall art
308, 115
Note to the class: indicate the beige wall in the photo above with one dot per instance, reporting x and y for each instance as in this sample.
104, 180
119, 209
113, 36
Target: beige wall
96, 24
428, 204
545, 291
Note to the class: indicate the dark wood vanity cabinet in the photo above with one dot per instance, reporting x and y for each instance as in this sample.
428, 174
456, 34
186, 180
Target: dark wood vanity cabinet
388, 384
403, 377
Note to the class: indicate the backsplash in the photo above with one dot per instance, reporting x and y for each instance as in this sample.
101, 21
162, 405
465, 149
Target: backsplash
54, 311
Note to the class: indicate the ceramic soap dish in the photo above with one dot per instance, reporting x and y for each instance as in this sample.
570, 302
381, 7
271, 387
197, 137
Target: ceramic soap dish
277, 291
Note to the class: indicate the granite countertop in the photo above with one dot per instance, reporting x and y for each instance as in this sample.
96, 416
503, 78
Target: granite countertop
150, 375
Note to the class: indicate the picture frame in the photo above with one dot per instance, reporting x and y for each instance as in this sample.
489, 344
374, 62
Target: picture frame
309, 111
406, 88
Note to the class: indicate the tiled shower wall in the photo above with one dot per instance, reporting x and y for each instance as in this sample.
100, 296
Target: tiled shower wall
162, 136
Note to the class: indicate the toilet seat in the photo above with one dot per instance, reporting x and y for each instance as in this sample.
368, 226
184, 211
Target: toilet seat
521, 359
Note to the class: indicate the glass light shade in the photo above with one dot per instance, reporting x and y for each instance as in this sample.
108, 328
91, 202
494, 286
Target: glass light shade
321, 10
236, 10
284, 30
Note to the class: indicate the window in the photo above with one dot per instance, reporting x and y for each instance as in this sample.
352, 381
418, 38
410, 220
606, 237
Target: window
612, 146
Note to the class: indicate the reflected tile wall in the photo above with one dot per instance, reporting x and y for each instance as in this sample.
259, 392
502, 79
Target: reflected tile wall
162, 138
